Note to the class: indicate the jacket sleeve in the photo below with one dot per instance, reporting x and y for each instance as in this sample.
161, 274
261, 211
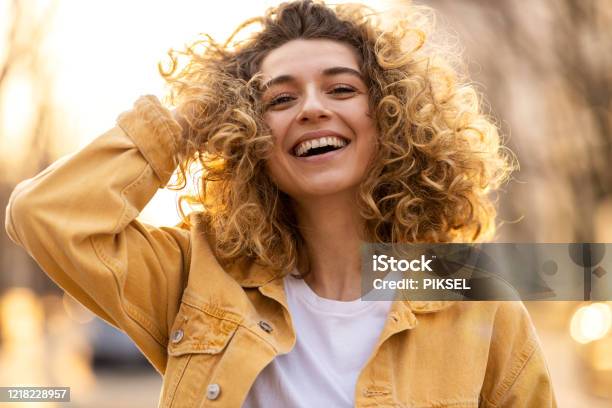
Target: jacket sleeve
77, 219
517, 375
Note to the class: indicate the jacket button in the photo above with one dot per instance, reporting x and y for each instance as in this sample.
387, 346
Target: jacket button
213, 391
177, 336
265, 326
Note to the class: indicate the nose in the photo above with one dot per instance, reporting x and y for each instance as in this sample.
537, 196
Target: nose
313, 108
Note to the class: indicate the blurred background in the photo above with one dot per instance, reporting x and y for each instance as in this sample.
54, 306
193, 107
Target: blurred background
68, 68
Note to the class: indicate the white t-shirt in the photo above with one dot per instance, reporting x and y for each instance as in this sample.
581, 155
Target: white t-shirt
334, 341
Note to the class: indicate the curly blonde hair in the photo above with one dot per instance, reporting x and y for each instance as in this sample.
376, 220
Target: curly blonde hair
439, 155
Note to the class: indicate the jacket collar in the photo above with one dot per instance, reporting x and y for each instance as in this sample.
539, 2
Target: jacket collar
250, 274
254, 275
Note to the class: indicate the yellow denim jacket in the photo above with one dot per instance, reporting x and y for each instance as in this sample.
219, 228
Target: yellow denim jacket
211, 331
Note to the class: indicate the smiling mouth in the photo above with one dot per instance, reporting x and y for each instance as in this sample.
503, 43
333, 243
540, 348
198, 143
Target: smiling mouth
319, 146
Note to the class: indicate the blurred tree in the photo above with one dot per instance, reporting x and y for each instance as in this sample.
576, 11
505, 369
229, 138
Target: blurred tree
582, 46
27, 24
545, 67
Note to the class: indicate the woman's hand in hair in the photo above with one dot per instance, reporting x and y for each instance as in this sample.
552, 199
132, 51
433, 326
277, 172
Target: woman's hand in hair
181, 121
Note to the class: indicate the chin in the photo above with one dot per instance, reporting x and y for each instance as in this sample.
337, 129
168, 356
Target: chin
326, 189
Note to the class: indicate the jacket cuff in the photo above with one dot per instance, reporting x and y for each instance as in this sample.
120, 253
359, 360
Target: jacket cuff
156, 134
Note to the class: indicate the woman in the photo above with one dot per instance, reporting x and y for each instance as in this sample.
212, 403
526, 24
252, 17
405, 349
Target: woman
317, 133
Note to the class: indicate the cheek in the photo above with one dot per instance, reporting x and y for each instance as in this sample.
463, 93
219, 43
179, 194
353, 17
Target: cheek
273, 172
359, 118
366, 129
278, 128
367, 121
278, 123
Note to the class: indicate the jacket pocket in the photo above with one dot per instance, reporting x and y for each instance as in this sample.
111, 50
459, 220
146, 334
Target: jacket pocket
199, 337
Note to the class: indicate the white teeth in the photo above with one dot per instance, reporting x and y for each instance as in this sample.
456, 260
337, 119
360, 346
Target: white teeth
304, 147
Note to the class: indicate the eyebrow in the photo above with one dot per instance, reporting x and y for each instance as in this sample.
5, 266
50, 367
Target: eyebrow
282, 79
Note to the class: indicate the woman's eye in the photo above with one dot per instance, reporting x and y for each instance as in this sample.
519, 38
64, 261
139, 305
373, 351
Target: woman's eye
279, 100
343, 89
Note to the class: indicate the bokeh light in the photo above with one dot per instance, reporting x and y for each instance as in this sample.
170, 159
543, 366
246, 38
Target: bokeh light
591, 322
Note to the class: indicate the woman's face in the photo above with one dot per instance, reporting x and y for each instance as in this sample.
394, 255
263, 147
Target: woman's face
317, 109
